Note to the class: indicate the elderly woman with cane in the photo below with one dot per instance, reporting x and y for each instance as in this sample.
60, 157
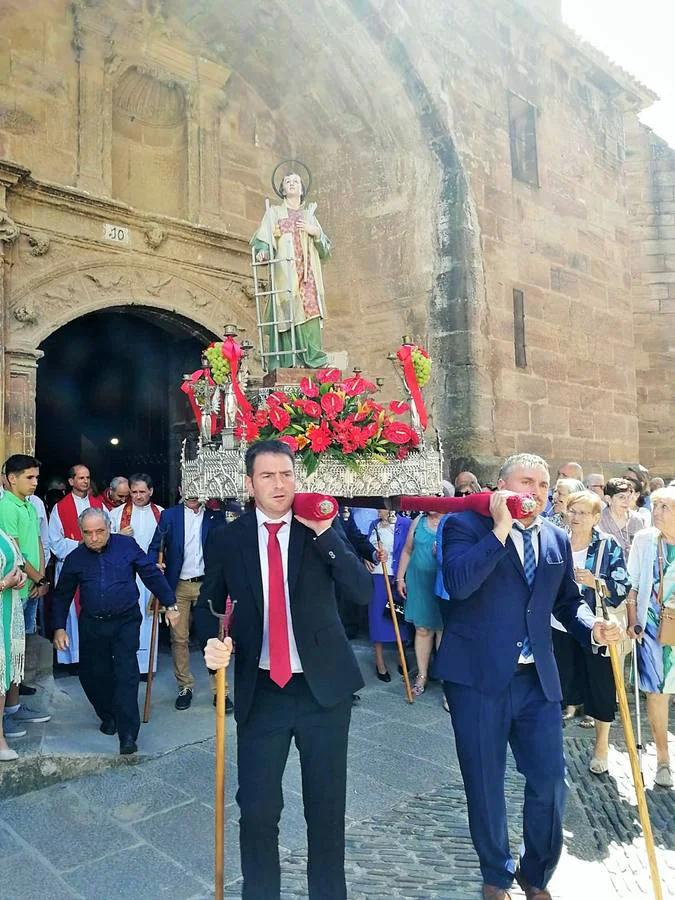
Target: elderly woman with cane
597, 557
651, 620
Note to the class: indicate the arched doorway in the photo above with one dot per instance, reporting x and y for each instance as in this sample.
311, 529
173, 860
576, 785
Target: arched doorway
108, 395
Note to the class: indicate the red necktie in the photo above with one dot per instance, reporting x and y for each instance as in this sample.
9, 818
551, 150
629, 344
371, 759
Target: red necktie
280, 653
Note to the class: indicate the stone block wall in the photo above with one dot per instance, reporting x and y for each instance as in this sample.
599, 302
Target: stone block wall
651, 167
402, 110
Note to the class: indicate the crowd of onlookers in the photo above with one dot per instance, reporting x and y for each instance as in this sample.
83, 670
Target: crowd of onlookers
603, 518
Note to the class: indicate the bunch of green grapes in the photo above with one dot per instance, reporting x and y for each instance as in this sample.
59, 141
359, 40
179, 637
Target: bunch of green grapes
220, 367
422, 364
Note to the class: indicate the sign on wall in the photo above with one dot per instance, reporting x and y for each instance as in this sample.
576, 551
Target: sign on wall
115, 233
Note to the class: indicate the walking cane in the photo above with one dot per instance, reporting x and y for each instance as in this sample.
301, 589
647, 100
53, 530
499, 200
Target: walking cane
636, 684
632, 751
394, 619
153, 639
221, 693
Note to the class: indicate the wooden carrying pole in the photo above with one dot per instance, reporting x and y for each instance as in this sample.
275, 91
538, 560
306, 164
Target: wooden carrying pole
397, 632
633, 756
153, 641
221, 692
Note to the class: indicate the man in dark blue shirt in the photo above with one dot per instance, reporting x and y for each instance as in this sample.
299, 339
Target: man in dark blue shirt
103, 569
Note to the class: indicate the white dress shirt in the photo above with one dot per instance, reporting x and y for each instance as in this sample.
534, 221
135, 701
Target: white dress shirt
283, 536
193, 554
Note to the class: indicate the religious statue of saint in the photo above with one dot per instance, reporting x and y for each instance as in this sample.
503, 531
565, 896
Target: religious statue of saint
294, 237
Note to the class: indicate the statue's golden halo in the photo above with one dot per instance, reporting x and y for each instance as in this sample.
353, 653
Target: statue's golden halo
291, 165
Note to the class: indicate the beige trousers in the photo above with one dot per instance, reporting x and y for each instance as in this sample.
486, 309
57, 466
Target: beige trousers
187, 594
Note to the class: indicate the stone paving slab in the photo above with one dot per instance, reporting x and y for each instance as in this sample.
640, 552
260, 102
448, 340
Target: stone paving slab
146, 831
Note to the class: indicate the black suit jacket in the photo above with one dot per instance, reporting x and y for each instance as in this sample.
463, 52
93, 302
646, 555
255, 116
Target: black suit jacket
316, 566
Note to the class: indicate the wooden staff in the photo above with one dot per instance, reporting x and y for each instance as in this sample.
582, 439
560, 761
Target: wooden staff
632, 751
394, 619
153, 639
221, 693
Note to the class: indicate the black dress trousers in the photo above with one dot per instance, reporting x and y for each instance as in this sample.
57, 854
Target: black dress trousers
108, 668
277, 715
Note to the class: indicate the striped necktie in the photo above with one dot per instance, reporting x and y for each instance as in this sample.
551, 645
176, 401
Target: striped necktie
530, 569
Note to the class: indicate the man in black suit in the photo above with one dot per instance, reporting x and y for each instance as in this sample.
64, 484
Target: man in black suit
295, 671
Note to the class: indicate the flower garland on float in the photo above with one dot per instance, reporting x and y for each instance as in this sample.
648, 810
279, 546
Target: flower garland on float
332, 417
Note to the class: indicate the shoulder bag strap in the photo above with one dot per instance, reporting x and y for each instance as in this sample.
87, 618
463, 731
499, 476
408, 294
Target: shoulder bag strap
659, 551
597, 575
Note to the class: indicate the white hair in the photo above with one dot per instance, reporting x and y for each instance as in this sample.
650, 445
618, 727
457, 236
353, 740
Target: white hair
522, 461
665, 493
572, 484
90, 512
117, 481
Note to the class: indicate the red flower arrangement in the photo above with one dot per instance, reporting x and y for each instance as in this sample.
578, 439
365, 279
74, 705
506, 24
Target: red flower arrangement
330, 417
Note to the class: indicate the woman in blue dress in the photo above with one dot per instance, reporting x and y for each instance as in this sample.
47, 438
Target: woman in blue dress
416, 581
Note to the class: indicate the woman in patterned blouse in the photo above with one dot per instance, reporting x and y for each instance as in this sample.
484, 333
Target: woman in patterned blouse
588, 546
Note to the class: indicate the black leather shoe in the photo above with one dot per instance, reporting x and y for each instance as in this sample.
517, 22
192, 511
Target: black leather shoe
26, 691
184, 699
355, 699
108, 726
383, 676
127, 747
229, 705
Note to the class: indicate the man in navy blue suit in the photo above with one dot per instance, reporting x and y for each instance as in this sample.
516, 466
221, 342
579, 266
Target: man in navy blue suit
504, 578
182, 531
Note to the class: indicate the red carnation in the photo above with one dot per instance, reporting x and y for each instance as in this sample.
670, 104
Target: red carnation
291, 441
402, 452
248, 430
398, 407
332, 404
261, 417
312, 409
320, 437
329, 376
397, 432
308, 388
279, 418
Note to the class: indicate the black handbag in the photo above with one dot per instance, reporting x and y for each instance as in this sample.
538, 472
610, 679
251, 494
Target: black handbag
399, 602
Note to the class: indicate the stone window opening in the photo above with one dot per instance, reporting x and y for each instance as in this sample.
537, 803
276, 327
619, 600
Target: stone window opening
519, 329
149, 145
523, 140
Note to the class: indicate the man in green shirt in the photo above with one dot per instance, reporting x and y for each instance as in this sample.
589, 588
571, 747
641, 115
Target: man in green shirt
19, 520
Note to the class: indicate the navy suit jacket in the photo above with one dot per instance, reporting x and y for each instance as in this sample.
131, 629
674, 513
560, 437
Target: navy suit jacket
491, 607
171, 525
316, 566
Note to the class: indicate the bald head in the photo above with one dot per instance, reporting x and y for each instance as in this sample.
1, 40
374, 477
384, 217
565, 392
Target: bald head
466, 483
571, 470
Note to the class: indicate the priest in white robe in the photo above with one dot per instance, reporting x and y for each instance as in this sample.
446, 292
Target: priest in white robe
138, 518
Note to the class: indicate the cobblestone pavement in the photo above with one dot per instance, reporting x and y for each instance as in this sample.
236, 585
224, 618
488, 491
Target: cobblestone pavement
145, 831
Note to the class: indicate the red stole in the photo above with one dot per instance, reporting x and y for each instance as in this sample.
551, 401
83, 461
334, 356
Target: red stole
71, 526
125, 521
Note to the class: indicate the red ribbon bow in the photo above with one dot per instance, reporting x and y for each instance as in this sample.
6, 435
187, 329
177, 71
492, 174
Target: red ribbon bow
233, 353
187, 387
405, 355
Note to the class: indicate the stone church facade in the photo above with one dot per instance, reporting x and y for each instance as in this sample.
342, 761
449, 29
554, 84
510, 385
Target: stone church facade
480, 171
